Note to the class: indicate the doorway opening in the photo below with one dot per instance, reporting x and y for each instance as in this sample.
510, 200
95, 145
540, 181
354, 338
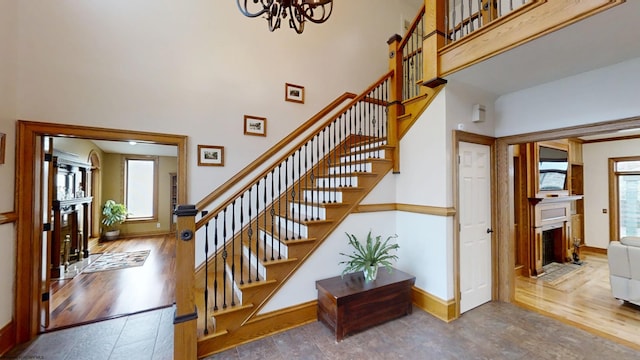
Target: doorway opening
32, 294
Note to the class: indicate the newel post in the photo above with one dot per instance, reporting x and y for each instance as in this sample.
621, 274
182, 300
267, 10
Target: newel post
395, 98
434, 28
185, 337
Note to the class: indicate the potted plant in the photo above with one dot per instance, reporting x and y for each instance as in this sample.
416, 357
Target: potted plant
370, 256
113, 214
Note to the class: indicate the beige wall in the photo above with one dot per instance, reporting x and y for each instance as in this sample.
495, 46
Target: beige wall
8, 71
113, 188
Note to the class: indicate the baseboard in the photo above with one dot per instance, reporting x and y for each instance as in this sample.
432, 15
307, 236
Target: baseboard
262, 326
278, 321
7, 337
443, 310
593, 249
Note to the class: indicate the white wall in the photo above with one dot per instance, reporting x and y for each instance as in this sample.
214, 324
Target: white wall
8, 16
595, 157
605, 94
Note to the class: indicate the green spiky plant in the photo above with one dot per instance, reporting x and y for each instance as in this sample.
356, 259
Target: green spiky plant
373, 253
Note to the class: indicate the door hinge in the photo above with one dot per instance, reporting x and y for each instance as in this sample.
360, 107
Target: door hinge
48, 157
45, 296
46, 227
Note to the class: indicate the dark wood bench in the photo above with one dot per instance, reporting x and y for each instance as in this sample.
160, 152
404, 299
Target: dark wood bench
349, 304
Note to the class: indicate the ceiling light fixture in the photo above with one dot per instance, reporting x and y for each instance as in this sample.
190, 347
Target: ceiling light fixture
297, 11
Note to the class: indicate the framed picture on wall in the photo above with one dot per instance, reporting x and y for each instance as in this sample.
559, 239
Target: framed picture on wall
254, 125
3, 139
209, 155
294, 93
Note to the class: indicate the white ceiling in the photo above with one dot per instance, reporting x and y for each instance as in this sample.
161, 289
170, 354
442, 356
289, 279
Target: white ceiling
123, 147
604, 39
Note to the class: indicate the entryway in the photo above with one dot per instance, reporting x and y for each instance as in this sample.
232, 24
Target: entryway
32, 296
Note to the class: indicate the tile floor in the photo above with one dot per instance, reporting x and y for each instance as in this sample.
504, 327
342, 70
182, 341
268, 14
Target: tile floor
493, 331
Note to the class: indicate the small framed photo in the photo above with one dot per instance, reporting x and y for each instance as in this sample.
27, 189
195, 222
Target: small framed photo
209, 155
294, 93
3, 139
254, 125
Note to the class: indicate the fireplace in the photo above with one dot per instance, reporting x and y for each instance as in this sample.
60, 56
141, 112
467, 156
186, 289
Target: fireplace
552, 246
550, 232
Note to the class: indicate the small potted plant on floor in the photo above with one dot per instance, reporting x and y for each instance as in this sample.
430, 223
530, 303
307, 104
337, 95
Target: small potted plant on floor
370, 256
113, 214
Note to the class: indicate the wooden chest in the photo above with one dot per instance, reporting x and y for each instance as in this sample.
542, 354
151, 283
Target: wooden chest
349, 304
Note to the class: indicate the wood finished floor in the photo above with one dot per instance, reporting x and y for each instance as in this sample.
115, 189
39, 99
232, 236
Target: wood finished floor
91, 297
585, 301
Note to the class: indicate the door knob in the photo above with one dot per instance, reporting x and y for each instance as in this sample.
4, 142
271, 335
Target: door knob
489, 231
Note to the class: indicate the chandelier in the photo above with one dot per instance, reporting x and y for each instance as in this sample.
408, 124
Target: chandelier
295, 11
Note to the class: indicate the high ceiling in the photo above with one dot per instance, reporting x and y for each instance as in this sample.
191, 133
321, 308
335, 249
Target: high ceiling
601, 40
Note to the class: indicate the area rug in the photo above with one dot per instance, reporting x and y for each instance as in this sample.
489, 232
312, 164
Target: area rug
77, 267
116, 261
555, 273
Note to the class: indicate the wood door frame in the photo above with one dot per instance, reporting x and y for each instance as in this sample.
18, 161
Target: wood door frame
28, 252
458, 137
504, 229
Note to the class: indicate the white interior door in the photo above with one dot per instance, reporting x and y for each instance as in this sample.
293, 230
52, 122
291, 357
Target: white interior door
475, 225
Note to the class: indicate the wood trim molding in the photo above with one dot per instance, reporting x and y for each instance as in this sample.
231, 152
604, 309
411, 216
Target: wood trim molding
8, 217
542, 17
277, 321
506, 244
418, 209
593, 250
28, 253
444, 310
262, 326
7, 337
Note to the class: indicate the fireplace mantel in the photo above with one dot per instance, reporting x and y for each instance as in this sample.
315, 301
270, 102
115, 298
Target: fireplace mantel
547, 213
554, 199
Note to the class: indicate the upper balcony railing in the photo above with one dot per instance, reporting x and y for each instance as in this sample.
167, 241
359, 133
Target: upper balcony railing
466, 16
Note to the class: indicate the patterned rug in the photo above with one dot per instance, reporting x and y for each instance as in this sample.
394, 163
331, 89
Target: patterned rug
555, 273
116, 261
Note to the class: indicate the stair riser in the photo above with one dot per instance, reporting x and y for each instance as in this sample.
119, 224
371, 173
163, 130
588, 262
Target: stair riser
299, 229
379, 154
308, 212
336, 182
348, 169
322, 196
279, 247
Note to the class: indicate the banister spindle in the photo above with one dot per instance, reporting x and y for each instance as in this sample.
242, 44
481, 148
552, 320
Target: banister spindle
257, 278
279, 208
286, 209
224, 259
300, 192
215, 263
249, 236
233, 249
264, 233
206, 273
241, 238
272, 212
306, 208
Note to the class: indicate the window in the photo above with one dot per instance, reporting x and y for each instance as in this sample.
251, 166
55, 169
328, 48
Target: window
140, 187
626, 193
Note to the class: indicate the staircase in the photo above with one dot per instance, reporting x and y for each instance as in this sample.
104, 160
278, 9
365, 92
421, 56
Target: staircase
257, 238
325, 196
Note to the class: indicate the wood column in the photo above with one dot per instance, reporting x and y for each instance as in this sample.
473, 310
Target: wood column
185, 337
395, 98
434, 13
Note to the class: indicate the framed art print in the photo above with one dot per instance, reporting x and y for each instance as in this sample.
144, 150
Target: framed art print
209, 155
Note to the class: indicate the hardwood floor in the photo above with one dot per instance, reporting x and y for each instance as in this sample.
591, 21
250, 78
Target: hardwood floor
585, 301
91, 297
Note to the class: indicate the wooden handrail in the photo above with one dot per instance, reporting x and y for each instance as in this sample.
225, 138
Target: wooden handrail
415, 22
8, 217
273, 150
266, 155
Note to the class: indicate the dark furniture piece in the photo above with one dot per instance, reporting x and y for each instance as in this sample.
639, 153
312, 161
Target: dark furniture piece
349, 304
